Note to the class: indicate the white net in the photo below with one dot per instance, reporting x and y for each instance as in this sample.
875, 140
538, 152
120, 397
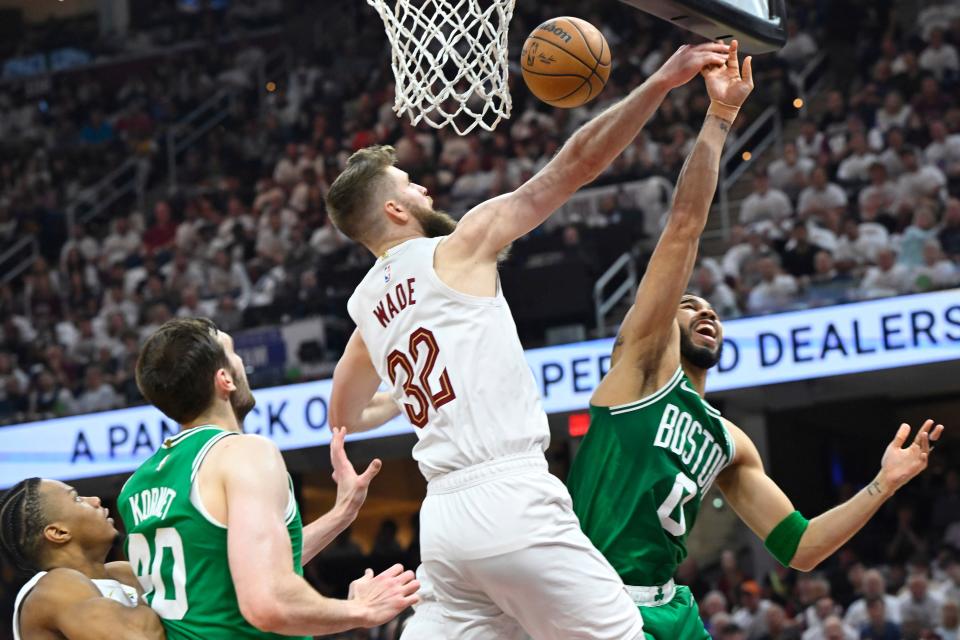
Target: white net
449, 60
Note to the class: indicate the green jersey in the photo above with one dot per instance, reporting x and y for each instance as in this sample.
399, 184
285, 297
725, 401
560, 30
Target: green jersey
640, 474
177, 549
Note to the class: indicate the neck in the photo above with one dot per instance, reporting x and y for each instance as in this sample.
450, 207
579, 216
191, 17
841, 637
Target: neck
89, 562
385, 245
220, 415
697, 376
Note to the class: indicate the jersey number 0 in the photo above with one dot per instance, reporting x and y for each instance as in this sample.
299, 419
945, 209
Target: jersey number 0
417, 387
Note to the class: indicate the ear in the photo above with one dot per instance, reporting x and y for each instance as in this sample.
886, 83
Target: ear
396, 212
57, 533
224, 382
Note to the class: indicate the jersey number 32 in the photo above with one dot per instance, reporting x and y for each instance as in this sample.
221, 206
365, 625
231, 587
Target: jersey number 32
423, 348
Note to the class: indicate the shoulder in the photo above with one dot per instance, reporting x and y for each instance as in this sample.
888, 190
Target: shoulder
122, 572
248, 447
59, 587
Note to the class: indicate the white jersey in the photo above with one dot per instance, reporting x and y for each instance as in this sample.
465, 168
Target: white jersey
452, 361
113, 589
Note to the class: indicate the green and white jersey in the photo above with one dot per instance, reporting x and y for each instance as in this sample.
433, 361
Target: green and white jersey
640, 474
179, 552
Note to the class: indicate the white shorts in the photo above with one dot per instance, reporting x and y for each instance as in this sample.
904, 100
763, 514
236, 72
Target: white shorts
504, 557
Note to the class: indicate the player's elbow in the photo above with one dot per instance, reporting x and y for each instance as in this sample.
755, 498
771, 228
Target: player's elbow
803, 561
263, 613
686, 223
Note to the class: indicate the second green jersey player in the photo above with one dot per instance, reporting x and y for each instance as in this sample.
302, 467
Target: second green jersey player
655, 445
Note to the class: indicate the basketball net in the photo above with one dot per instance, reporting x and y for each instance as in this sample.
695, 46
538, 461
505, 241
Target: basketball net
449, 60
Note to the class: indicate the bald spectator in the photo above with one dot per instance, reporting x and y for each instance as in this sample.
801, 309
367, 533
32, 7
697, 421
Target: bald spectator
874, 588
834, 629
790, 173
822, 196
713, 603
918, 605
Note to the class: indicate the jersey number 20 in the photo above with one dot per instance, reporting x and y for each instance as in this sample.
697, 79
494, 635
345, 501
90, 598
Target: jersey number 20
417, 387
165, 574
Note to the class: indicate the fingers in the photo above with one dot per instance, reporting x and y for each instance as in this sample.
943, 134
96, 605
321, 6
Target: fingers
748, 71
732, 61
393, 571
901, 436
371, 471
937, 432
715, 47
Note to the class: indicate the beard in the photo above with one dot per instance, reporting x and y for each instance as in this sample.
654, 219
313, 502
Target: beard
435, 223
440, 223
700, 357
242, 400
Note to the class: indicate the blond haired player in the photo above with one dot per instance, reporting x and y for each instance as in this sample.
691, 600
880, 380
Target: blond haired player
502, 548
655, 446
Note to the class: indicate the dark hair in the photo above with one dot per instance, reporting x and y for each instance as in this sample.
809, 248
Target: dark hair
176, 367
21, 524
874, 600
350, 200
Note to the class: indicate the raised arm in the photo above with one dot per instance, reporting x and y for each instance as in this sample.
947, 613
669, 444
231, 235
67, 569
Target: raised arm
650, 321
65, 603
272, 597
763, 506
354, 401
351, 493
488, 228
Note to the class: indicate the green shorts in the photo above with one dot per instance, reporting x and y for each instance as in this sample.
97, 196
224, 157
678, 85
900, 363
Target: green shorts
678, 619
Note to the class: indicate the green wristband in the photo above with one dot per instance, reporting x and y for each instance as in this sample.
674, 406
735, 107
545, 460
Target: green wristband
783, 541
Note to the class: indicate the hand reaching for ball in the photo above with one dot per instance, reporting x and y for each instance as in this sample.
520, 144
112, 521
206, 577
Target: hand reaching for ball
689, 60
725, 83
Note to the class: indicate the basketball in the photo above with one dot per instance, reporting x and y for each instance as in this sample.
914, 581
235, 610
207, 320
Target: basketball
566, 62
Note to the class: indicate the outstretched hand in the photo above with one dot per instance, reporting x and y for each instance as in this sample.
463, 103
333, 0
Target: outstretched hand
725, 83
351, 488
689, 60
385, 596
900, 465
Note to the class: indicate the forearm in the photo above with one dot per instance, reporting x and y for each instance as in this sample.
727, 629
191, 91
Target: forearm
831, 530
322, 531
291, 607
598, 142
379, 411
698, 178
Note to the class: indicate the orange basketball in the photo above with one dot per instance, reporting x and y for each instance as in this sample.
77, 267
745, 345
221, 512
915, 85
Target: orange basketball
566, 62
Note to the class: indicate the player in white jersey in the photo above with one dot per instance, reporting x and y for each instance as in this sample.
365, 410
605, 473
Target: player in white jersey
502, 550
46, 527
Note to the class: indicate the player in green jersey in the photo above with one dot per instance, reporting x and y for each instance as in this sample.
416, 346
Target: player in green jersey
655, 445
214, 533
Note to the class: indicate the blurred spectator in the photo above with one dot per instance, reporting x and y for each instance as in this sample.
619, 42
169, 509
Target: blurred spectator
122, 243
881, 194
936, 272
949, 234
800, 47
918, 605
799, 252
855, 167
917, 182
916, 236
943, 151
779, 627
878, 625
939, 58
821, 197
160, 235
751, 615
716, 292
874, 588
97, 394
948, 627
827, 286
764, 204
887, 278
811, 140
775, 291
790, 173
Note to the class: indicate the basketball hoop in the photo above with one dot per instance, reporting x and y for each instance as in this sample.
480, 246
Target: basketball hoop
449, 60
